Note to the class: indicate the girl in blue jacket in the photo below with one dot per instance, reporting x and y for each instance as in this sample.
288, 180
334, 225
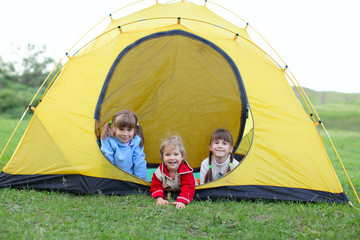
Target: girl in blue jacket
122, 143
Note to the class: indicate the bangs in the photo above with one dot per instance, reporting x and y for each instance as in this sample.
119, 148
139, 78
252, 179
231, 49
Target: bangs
172, 143
222, 134
125, 120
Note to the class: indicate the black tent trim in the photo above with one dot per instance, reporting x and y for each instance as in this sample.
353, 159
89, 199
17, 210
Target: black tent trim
81, 184
72, 183
261, 192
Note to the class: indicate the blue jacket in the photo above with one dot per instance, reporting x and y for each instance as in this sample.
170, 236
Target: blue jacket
128, 158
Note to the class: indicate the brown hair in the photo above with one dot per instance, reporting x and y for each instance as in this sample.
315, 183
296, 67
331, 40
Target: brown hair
173, 142
219, 134
123, 118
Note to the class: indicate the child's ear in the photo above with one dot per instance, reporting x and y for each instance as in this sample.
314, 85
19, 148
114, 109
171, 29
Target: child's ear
231, 148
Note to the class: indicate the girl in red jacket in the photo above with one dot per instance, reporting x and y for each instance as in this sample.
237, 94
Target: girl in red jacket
173, 173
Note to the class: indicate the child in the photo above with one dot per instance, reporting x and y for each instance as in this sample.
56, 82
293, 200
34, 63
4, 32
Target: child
173, 173
220, 160
122, 143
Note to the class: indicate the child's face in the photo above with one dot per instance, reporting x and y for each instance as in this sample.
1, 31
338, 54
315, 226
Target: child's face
124, 134
172, 158
220, 149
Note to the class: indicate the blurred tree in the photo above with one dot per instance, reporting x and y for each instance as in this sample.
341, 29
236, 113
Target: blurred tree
35, 66
5, 77
19, 80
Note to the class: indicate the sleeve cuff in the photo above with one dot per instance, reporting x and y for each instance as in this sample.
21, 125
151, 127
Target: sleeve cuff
183, 200
158, 193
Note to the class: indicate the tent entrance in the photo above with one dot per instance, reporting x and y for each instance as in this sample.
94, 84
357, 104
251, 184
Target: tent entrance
176, 83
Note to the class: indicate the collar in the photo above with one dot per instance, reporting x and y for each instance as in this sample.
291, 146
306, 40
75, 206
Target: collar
184, 168
213, 161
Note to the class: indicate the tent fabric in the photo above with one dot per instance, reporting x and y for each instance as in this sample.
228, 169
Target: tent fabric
188, 79
183, 72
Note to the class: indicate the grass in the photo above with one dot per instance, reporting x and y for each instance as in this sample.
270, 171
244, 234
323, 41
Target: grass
29, 214
340, 116
347, 144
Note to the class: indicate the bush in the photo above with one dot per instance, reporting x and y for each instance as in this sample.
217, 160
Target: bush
12, 101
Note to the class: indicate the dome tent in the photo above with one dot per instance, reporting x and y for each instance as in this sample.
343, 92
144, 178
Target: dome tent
183, 70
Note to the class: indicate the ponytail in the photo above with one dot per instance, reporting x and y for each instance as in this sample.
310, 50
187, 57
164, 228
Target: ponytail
209, 176
139, 131
230, 163
106, 131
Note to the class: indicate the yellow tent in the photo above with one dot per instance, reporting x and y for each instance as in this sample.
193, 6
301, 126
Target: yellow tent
183, 70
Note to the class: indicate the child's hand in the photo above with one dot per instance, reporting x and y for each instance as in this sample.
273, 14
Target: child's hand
161, 201
179, 204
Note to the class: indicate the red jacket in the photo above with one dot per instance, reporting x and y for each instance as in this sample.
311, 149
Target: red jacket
184, 181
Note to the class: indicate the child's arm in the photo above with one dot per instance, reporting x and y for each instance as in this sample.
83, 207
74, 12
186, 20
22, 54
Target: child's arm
187, 189
107, 150
139, 163
157, 189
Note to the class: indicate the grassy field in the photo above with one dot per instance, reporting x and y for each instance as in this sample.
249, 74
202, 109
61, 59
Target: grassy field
29, 214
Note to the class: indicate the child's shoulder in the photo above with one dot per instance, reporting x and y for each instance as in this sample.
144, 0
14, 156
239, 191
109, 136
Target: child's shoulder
235, 163
161, 172
136, 140
205, 161
108, 140
185, 167
112, 141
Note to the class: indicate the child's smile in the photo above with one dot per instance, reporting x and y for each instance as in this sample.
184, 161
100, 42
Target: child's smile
124, 134
221, 150
172, 158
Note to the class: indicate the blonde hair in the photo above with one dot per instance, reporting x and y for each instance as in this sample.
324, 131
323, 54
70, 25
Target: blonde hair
173, 142
219, 134
123, 118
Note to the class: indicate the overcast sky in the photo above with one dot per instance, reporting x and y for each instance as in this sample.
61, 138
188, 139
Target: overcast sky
318, 39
